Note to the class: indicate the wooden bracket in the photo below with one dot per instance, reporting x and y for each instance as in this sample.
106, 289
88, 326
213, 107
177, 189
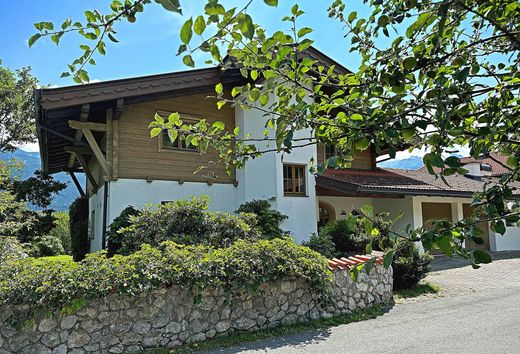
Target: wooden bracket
87, 170
78, 150
83, 117
99, 127
96, 150
76, 182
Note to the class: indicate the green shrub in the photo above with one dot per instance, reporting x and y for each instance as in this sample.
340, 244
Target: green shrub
409, 265
321, 243
61, 230
267, 220
243, 266
78, 215
11, 249
46, 246
114, 238
185, 222
348, 236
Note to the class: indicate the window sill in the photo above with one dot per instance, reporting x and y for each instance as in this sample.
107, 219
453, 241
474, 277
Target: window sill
295, 195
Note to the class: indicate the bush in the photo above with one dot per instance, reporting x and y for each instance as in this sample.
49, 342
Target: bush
409, 265
267, 220
46, 246
78, 215
61, 230
241, 267
348, 236
11, 249
321, 243
114, 237
185, 222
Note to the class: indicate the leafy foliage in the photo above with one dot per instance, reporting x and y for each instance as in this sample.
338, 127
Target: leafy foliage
16, 108
11, 249
78, 221
321, 243
114, 238
16, 219
448, 78
409, 265
61, 230
241, 267
267, 220
46, 246
186, 222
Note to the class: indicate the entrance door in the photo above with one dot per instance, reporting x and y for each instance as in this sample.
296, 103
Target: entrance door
484, 226
435, 211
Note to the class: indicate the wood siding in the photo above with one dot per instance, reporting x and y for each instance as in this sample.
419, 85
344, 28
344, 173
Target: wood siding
363, 160
139, 156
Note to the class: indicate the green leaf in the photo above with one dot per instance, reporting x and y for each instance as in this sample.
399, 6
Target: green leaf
171, 5
188, 60
155, 131
500, 227
199, 26
356, 116
304, 31
481, 257
246, 25
34, 38
388, 258
219, 125
362, 144
443, 243
186, 31
271, 2
254, 94
219, 88
409, 63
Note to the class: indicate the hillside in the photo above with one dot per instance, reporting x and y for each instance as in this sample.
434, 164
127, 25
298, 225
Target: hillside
410, 163
31, 162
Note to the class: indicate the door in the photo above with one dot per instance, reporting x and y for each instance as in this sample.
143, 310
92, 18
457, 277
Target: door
435, 211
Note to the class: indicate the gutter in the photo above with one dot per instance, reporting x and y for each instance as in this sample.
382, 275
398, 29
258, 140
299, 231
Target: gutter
40, 133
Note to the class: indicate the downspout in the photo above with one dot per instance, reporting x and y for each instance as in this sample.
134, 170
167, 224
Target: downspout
105, 214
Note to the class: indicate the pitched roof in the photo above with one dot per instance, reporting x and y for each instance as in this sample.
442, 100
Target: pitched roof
401, 182
495, 160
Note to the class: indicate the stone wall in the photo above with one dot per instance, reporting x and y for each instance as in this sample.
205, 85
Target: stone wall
170, 317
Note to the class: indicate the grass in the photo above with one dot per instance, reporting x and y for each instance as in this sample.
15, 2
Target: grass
422, 288
241, 338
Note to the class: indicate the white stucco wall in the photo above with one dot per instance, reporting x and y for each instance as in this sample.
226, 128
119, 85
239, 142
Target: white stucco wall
507, 242
138, 193
262, 178
395, 206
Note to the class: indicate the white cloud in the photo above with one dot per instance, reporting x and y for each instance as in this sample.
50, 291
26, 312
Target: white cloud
30, 147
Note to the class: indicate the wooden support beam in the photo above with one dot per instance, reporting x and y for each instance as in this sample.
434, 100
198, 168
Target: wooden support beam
118, 112
99, 127
78, 149
96, 150
85, 111
76, 182
109, 144
87, 170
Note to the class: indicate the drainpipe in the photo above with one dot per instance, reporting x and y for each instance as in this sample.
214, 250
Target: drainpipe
105, 213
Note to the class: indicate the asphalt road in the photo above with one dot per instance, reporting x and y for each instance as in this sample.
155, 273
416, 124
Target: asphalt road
478, 311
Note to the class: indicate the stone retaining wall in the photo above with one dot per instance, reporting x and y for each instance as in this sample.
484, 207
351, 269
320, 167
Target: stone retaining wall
170, 317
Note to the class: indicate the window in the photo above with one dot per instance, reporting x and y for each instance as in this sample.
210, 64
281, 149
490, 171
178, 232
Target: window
330, 151
294, 179
180, 142
326, 214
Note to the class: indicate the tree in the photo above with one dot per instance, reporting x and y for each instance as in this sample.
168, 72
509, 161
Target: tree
449, 78
16, 218
16, 108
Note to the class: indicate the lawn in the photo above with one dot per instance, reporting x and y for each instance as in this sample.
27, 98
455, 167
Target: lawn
423, 288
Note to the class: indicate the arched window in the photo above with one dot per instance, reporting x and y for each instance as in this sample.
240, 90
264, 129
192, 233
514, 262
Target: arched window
326, 213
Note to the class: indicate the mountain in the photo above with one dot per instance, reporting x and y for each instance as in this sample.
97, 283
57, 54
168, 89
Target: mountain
410, 163
31, 162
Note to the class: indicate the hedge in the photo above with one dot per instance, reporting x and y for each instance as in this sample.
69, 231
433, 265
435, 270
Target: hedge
78, 221
242, 266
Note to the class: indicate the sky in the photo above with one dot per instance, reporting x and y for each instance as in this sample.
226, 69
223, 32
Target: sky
149, 45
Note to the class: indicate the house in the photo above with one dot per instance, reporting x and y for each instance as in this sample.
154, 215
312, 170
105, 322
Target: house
101, 129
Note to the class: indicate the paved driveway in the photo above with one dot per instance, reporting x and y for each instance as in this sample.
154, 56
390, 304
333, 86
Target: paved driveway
477, 311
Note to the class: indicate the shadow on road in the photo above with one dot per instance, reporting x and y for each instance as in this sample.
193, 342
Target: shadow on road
442, 262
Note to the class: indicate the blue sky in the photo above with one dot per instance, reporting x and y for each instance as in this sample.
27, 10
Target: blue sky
147, 46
